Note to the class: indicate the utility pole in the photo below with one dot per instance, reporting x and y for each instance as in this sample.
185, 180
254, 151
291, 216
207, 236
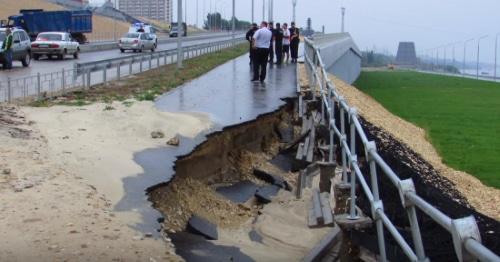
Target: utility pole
180, 52
114, 23
294, 3
234, 20
197, 14
477, 62
465, 53
186, 12
342, 29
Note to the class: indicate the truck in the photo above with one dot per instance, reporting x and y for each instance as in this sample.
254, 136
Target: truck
35, 21
174, 29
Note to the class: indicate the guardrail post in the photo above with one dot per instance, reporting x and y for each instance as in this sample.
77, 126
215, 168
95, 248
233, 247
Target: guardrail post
38, 86
150, 61
404, 187
104, 74
158, 61
370, 148
130, 66
118, 69
9, 90
140, 64
89, 75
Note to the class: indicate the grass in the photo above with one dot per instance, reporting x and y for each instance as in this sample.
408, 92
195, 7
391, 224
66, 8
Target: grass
461, 116
148, 85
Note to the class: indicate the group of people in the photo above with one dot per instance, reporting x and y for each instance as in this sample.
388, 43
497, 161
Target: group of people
269, 42
7, 50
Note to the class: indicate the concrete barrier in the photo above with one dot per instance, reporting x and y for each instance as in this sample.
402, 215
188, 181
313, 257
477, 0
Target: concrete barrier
340, 55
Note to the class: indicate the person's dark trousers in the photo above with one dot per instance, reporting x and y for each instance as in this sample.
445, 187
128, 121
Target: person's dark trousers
294, 50
271, 53
279, 53
260, 64
8, 59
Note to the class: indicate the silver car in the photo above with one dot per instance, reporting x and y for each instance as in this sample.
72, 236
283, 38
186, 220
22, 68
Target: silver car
55, 44
137, 42
21, 49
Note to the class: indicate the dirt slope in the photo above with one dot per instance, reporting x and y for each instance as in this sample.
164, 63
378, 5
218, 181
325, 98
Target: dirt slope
103, 27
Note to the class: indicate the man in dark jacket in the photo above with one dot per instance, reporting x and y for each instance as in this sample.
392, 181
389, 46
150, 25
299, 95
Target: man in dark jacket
278, 43
294, 42
271, 47
249, 37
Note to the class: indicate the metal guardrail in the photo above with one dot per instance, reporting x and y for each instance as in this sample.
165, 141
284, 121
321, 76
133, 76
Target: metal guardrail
84, 75
464, 231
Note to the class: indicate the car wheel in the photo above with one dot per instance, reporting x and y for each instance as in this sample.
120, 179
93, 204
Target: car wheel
36, 57
76, 54
26, 60
153, 48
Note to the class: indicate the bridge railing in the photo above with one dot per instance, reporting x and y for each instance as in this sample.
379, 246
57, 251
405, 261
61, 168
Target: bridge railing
85, 75
464, 231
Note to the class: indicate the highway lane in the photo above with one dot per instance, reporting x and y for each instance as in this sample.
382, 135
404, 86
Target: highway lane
48, 66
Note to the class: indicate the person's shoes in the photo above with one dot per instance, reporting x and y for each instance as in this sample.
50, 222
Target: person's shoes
262, 81
255, 80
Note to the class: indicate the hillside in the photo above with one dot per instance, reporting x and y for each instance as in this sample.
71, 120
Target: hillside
103, 27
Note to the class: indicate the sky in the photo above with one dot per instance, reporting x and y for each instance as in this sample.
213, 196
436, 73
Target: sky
382, 24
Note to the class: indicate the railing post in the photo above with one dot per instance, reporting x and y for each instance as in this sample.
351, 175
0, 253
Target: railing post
38, 86
342, 131
352, 206
332, 123
140, 63
404, 187
89, 75
150, 61
370, 148
353, 114
63, 81
9, 90
130, 66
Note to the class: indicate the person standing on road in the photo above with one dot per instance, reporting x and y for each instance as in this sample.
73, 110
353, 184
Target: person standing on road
249, 37
261, 43
7, 49
294, 42
286, 42
278, 43
271, 46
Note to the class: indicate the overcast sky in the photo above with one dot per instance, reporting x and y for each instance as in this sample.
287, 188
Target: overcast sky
381, 24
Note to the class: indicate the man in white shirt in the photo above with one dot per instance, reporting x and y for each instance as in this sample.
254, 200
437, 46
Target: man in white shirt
286, 41
261, 43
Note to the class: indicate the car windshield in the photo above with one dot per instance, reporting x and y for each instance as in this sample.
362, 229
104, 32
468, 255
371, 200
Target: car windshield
49, 37
131, 35
2, 36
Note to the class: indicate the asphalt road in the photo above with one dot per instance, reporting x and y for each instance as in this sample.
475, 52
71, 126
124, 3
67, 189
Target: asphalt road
47, 66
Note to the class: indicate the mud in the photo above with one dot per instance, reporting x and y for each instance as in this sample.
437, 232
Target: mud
431, 186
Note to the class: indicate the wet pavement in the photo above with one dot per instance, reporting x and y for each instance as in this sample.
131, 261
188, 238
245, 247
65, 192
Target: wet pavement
229, 98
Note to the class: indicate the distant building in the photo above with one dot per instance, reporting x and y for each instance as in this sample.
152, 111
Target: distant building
407, 56
162, 10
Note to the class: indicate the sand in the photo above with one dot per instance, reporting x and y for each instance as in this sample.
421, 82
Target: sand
483, 198
48, 214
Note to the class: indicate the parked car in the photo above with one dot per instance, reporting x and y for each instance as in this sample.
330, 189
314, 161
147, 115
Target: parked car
57, 44
21, 48
137, 42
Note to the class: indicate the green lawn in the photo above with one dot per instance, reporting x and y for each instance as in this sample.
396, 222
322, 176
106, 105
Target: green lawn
461, 116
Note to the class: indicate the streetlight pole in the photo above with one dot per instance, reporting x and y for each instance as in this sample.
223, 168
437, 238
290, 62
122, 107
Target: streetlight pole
263, 10
342, 29
496, 55
197, 14
294, 3
234, 19
253, 11
186, 12
180, 52
477, 62
465, 54
114, 23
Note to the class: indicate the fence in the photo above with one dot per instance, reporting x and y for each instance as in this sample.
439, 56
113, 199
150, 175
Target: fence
84, 75
464, 231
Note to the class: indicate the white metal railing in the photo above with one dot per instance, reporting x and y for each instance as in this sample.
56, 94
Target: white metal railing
464, 231
84, 75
